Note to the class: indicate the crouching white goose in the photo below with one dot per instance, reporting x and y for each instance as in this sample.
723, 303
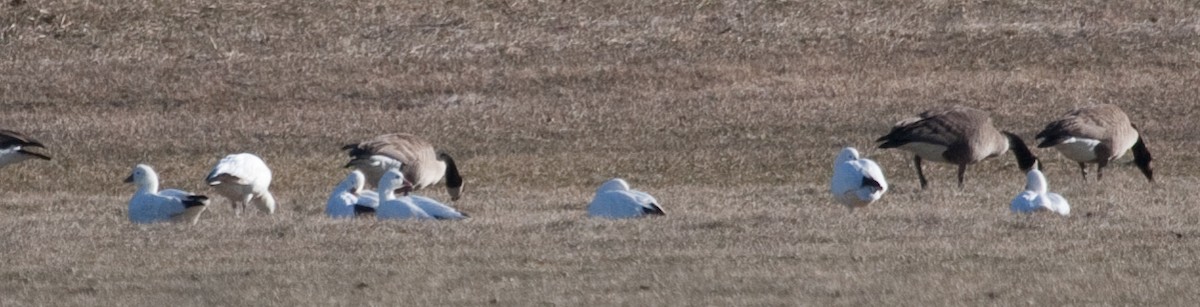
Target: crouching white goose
857, 182
244, 179
1037, 198
615, 200
14, 147
409, 207
349, 199
149, 205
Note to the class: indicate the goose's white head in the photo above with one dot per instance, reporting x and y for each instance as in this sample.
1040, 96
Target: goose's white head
615, 184
1035, 180
847, 154
393, 180
353, 183
143, 177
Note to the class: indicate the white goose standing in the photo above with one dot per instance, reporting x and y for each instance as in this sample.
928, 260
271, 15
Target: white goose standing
149, 205
857, 182
243, 179
1036, 196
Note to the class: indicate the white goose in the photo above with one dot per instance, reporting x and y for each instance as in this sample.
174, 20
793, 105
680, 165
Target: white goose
14, 147
857, 182
615, 200
243, 179
396, 208
149, 205
1036, 198
349, 199
428, 207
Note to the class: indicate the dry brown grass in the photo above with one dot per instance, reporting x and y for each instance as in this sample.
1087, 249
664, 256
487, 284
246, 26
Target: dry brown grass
730, 112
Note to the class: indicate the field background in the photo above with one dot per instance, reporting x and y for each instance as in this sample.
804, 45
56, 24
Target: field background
730, 112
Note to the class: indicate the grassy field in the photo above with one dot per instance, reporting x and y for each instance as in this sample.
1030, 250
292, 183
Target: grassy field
730, 112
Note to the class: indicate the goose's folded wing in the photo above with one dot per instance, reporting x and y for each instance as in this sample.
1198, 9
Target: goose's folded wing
933, 130
436, 209
243, 169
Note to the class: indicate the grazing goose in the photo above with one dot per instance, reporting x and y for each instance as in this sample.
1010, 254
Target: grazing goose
615, 200
392, 207
1036, 198
957, 135
414, 156
14, 147
243, 179
349, 199
150, 205
857, 182
1097, 134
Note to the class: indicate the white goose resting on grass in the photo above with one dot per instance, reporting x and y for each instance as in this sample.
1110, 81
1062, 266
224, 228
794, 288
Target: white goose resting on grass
857, 182
14, 148
615, 200
349, 199
392, 206
149, 205
244, 179
1037, 198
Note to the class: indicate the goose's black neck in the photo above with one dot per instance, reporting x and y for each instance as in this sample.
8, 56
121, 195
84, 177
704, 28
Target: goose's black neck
453, 178
1025, 157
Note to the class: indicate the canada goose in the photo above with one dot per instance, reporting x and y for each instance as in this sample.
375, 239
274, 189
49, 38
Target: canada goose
1097, 134
857, 182
957, 135
244, 179
615, 200
349, 199
149, 205
414, 156
14, 147
1037, 198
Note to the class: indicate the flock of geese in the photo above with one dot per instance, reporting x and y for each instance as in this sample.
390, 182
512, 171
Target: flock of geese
399, 164
963, 136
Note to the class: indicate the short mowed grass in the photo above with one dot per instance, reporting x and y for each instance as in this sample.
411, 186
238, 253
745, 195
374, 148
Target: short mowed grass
729, 112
